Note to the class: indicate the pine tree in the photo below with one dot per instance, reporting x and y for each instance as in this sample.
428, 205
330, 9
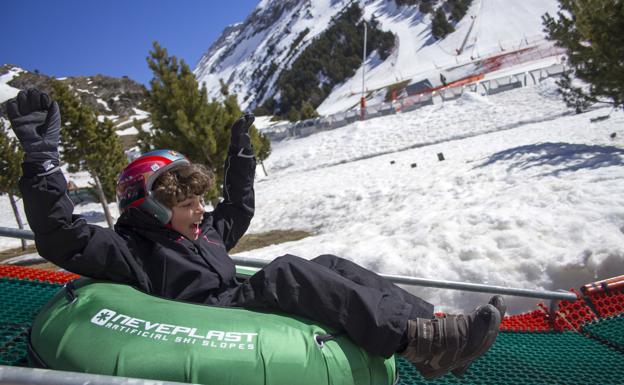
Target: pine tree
260, 143
308, 111
440, 27
458, 8
89, 145
592, 32
11, 155
183, 119
263, 146
425, 6
406, 2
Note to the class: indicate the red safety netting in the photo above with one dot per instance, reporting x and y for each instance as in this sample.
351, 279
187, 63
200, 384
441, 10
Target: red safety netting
607, 296
30, 273
535, 321
572, 315
608, 304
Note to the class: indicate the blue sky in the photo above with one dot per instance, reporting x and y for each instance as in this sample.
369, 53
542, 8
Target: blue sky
111, 37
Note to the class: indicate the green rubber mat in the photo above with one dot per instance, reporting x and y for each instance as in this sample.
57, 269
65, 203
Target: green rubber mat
610, 330
536, 358
21, 300
13, 344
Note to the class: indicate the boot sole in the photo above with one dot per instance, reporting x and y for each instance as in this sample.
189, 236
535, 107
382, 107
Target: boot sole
462, 365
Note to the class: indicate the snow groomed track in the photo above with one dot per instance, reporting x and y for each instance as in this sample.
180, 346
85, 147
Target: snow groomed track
580, 342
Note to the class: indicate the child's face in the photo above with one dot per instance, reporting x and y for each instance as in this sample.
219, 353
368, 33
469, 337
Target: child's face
187, 215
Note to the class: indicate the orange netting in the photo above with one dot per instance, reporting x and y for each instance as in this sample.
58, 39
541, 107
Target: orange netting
32, 274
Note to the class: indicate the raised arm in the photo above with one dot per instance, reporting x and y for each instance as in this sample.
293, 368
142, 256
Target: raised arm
61, 237
231, 217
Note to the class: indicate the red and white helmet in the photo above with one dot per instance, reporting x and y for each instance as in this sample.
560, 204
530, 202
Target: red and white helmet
134, 187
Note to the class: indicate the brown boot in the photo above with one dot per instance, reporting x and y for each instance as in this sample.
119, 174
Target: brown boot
437, 346
499, 304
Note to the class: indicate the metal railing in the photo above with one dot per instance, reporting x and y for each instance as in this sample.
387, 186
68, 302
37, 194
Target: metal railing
397, 279
11, 375
308, 127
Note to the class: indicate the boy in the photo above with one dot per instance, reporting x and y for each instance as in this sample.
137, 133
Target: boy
165, 244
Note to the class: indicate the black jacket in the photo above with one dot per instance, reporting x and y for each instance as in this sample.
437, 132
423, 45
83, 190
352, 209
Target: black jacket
141, 251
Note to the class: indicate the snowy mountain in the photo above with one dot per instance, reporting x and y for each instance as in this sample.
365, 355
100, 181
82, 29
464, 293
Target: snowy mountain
251, 55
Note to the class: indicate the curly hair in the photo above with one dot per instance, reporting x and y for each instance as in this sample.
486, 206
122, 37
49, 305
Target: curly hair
177, 185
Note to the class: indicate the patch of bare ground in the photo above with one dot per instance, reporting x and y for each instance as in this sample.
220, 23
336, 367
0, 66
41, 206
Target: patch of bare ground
246, 243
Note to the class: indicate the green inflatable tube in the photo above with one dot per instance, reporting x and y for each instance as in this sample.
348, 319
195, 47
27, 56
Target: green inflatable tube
114, 329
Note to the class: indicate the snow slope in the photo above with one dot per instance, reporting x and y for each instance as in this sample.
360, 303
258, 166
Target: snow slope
489, 27
266, 37
6, 91
244, 54
528, 196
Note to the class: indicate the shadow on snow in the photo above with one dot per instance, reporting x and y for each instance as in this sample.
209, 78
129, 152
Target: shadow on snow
564, 157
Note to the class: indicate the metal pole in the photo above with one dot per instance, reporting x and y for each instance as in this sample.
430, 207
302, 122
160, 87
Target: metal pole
16, 233
397, 279
476, 287
10, 375
363, 99
363, 62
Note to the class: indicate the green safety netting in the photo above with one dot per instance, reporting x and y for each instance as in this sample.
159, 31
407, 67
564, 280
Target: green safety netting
20, 301
609, 330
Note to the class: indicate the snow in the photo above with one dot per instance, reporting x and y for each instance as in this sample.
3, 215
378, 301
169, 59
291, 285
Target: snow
103, 103
131, 130
26, 259
499, 26
529, 195
428, 125
6, 91
263, 123
490, 27
139, 114
92, 211
112, 118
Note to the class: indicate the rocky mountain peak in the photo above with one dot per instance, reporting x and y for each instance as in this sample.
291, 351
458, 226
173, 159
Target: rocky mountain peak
108, 96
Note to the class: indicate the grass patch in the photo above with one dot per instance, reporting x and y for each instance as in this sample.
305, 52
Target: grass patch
17, 251
257, 241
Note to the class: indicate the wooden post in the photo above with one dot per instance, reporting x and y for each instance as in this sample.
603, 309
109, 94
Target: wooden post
102, 197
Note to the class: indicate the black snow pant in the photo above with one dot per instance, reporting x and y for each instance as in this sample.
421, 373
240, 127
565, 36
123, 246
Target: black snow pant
338, 293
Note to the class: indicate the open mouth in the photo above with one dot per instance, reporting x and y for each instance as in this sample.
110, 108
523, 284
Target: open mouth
195, 228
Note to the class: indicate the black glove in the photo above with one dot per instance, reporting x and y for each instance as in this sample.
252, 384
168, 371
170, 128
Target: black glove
240, 141
37, 123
